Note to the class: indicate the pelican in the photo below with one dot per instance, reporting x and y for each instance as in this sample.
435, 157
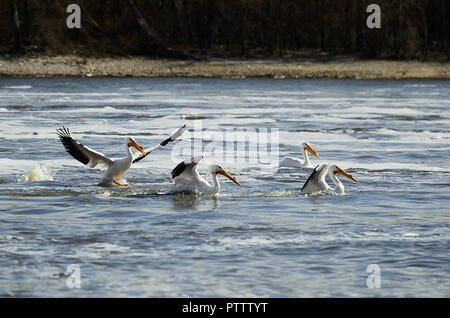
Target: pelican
298, 163
187, 179
114, 169
316, 181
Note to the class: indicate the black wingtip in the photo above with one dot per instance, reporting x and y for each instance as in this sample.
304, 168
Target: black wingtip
139, 158
63, 132
165, 142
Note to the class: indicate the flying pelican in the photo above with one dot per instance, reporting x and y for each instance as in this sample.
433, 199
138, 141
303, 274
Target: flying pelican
187, 179
298, 163
316, 181
114, 169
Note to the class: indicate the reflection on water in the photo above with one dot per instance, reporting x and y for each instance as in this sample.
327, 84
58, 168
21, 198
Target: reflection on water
265, 239
198, 202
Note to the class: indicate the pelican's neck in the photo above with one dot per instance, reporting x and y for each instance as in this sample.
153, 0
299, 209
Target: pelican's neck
216, 184
339, 186
129, 153
307, 162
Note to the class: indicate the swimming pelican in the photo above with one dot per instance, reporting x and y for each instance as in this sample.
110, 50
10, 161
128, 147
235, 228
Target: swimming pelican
114, 169
316, 181
298, 163
187, 179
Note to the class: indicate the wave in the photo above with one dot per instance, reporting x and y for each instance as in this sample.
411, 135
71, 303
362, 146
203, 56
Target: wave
18, 87
230, 242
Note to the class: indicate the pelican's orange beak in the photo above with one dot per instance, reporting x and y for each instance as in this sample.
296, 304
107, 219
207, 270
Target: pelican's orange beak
312, 151
345, 174
225, 173
137, 146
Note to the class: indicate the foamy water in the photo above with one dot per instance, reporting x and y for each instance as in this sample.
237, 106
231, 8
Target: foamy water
38, 173
262, 240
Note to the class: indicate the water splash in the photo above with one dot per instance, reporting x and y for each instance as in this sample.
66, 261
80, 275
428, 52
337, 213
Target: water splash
38, 173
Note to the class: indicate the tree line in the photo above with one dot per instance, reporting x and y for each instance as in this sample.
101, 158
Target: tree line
410, 29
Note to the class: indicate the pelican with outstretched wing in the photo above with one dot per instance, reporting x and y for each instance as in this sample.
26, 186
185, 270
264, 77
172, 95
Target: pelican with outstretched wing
114, 169
187, 179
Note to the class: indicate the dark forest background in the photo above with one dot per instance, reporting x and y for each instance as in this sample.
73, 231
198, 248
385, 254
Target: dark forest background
410, 29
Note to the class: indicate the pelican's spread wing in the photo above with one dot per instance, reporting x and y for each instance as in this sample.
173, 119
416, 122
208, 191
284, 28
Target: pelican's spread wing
83, 154
314, 182
186, 170
173, 137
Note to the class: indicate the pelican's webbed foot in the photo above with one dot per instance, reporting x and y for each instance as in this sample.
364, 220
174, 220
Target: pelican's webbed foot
120, 183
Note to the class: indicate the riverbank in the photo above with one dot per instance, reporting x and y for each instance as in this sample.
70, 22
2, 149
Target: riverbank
228, 68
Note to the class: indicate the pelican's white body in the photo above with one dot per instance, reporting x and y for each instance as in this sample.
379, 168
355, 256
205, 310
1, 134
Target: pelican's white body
293, 162
198, 184
117, 168
319, 184
191, 181
187, 179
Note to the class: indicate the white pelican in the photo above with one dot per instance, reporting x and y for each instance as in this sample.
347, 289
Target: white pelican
316, 181
187, 179
298, 163
114, 169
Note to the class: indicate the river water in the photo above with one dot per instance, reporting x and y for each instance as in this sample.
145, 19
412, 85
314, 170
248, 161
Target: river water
262, 240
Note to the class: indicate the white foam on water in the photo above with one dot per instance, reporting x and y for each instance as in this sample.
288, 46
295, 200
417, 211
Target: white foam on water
99, 250
279, 193
38, 173
229, 242
18, 87
108, 247
410, 235
382, 166
420, 85
6, 237
385, 111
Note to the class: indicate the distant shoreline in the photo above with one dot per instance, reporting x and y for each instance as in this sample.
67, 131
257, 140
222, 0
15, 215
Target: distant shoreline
75, 66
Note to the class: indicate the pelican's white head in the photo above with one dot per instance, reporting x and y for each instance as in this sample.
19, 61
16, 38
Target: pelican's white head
216, 169
307, 147
335, 169
131, 142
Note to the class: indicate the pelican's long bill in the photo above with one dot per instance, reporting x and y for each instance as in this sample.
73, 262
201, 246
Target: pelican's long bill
225, 173
344, 173
137, 146
312, 151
